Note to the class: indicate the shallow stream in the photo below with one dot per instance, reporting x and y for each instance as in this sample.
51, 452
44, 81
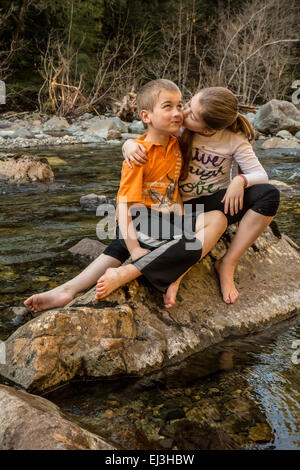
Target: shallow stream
243, 393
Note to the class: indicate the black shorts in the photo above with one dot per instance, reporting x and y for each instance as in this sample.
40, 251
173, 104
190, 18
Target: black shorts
153, 228
172, 251
261, 198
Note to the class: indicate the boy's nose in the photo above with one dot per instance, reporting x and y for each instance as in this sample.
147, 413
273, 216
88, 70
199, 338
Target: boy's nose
177, 112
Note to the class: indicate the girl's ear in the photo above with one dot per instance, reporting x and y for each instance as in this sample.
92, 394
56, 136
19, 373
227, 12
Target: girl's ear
145, 116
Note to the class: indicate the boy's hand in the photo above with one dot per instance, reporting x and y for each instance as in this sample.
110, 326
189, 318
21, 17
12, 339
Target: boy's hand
138, 253
134, 152
234, 196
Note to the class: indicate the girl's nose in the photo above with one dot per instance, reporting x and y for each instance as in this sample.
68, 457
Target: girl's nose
186, 110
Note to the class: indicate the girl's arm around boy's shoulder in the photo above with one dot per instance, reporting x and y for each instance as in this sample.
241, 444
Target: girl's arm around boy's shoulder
243, 153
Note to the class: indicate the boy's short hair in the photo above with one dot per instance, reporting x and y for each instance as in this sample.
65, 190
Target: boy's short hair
147, 96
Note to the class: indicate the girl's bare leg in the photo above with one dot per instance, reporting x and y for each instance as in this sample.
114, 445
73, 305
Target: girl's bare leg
250, 227
209, 228
62, 295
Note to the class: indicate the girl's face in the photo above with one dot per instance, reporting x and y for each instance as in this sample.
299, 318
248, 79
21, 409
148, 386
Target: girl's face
192, 118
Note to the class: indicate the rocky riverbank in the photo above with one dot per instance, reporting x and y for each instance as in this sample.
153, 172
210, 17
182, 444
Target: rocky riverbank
39, 130
28, 130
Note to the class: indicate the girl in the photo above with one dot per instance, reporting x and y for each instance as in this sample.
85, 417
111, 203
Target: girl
215, 136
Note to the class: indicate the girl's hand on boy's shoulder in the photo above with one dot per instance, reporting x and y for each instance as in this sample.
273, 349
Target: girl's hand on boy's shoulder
135, 153
234, 196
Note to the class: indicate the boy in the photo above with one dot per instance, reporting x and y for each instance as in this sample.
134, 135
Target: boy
151, 191
160, 105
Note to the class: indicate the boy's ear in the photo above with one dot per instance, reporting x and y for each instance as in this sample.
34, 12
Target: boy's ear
145, 116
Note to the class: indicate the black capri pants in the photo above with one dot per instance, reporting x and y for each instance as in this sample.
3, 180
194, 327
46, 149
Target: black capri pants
172, 249
261, 198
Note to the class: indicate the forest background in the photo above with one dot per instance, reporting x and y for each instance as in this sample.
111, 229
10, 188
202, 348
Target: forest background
71, 56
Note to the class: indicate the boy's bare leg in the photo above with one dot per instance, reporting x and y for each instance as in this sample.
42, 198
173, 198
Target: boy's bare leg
115, 278
62, 295
250, 227
209, 228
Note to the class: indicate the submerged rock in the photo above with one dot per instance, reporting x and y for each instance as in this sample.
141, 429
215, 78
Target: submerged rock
131, 333
28, 422
92, 201
22, 168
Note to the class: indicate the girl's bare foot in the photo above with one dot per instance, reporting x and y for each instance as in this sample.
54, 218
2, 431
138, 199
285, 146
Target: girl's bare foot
170, 295
57, 297
225, 271
113, 278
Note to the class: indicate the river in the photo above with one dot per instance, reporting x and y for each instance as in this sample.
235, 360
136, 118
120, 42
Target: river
243, 393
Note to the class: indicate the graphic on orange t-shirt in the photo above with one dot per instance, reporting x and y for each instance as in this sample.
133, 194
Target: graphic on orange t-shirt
155, 182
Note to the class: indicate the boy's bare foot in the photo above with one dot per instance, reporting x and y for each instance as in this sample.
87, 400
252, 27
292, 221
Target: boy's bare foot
170, 295
57, 297
113, 278
225, 271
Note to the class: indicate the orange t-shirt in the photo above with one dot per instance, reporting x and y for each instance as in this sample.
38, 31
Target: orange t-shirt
156, 182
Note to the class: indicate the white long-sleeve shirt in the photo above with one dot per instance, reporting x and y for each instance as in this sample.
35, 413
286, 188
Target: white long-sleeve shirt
210, 168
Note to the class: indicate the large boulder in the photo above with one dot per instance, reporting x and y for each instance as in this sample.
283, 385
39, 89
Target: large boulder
277, 115
22, 168
28, 422
131, 333
56, 126
104, 128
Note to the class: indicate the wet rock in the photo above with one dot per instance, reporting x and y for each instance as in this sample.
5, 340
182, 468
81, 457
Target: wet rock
92, 201
126, 136
193, 436
278, 142
122, 126
4, 123
131, 333
137, 127
261, 432
56, 126
284, 134
277, 115
22, 168
56, 161
113, 134
88, 249
250, 117
281, 185
102, 127
22, 315
28, 422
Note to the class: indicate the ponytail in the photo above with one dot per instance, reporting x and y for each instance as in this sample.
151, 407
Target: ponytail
242, 124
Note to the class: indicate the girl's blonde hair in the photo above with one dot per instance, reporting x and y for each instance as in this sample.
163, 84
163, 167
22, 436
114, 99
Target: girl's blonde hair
219, 110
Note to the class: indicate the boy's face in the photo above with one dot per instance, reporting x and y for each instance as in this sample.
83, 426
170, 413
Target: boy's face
166, 116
